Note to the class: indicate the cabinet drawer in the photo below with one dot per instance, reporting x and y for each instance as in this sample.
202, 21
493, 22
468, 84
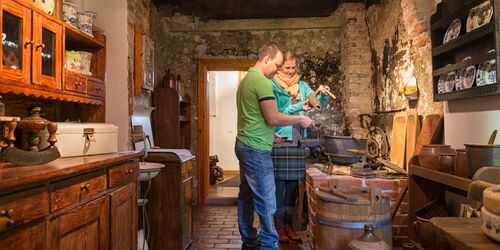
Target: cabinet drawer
22, 207
186, 170
75, 83
123, 174
75, 189
95, 88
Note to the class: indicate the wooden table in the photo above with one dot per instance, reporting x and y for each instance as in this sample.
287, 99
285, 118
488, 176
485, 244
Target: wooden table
463, 233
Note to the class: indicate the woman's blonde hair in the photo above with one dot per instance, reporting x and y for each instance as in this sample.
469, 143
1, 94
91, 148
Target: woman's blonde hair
288, 55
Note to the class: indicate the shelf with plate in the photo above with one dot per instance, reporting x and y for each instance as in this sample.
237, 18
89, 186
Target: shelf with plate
464, 44
464, 39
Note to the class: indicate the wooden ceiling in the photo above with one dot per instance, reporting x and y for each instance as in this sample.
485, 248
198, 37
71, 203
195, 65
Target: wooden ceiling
252, 9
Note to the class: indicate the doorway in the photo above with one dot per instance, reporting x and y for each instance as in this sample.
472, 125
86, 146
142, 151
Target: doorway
204, 67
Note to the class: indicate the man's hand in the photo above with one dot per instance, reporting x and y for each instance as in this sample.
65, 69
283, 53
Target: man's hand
307, 105
306, 122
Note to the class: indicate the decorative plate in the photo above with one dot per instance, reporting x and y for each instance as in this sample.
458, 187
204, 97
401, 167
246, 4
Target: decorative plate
46, 5
484, 71
451, 79
479, 16
492, 72
453, 31
459, 84
441, 83
469, 76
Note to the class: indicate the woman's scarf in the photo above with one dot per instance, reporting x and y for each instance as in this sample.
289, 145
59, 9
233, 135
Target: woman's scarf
289, 84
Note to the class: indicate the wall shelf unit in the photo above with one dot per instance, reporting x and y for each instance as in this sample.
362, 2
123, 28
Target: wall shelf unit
450, 59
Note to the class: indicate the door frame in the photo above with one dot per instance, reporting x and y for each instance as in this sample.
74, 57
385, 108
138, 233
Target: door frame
205, 65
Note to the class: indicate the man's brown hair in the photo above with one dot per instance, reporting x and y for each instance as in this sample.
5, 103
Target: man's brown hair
268, 49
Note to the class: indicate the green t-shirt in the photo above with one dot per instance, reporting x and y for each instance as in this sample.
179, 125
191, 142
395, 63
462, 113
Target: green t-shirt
252, 127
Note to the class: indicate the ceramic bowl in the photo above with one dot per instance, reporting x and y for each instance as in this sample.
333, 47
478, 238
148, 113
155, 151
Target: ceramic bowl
453, 31
84, 17
490, 224
491, 199
86, 59
69, 13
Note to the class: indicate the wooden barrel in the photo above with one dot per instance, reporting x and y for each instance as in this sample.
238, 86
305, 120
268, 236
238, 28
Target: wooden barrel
338, 216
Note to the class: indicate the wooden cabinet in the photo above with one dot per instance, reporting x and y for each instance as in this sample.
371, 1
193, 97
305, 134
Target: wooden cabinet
85, 227
170, 204
92, 206
17, 42
32, 46
33, 56
171, 119
124, 218
457, 60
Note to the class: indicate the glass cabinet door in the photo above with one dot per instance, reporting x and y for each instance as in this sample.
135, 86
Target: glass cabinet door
47, 47
16, 41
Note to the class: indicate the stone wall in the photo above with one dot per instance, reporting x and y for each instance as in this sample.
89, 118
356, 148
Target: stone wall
400, 43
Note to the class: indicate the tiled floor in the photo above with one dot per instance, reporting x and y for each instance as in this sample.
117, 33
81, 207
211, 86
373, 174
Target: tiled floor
216, 227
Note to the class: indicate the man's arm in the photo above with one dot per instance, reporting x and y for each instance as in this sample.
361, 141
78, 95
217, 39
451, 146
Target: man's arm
275, 118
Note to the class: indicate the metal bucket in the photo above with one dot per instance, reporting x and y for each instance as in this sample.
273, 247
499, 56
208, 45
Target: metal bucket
337, 147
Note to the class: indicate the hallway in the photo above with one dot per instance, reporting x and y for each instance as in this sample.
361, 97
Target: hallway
216, 227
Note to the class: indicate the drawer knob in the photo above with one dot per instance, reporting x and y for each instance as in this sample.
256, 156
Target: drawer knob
8, 214
129, 171
85, 186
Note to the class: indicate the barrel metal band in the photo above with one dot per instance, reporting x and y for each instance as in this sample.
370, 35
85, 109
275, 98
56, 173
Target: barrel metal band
352, 224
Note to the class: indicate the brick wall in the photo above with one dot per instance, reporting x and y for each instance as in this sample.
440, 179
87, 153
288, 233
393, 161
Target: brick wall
356, 65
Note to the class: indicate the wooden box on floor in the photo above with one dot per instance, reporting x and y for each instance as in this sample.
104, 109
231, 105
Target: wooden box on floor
170, 211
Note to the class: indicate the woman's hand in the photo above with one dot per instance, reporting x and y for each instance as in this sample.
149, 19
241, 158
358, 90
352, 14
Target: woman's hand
278, 138
307, 105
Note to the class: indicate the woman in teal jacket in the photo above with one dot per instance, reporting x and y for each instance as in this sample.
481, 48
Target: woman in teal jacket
289, 160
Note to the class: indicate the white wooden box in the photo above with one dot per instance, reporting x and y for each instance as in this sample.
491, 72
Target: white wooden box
77, 139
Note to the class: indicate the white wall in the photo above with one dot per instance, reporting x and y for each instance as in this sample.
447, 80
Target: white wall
471, 120
223, 118
112, 18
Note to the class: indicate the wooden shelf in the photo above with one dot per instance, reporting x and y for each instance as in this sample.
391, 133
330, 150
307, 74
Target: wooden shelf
75, 39
464, 64
464, 39
462, 12
485, 90
441, 177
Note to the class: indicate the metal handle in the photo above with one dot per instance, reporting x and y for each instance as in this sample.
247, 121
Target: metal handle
9, 214
85, 186
129, 171
38, 45
28, 43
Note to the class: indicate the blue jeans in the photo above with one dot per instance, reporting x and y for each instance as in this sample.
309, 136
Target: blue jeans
286, 194
257, 193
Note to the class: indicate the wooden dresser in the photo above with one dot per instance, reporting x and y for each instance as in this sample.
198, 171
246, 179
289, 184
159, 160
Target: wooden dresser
71, 203
170, 201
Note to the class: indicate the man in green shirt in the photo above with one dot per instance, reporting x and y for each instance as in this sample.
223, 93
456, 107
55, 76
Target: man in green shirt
257, 116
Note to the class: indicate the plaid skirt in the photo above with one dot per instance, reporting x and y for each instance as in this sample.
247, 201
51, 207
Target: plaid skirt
289, 163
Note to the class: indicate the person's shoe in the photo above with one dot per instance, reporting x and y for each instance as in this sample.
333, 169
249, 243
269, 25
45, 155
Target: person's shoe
292, 235
251, 245
283, 238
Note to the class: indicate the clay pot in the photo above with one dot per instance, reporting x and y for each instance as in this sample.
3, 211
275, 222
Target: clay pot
461, 163
429, 155
446, 163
